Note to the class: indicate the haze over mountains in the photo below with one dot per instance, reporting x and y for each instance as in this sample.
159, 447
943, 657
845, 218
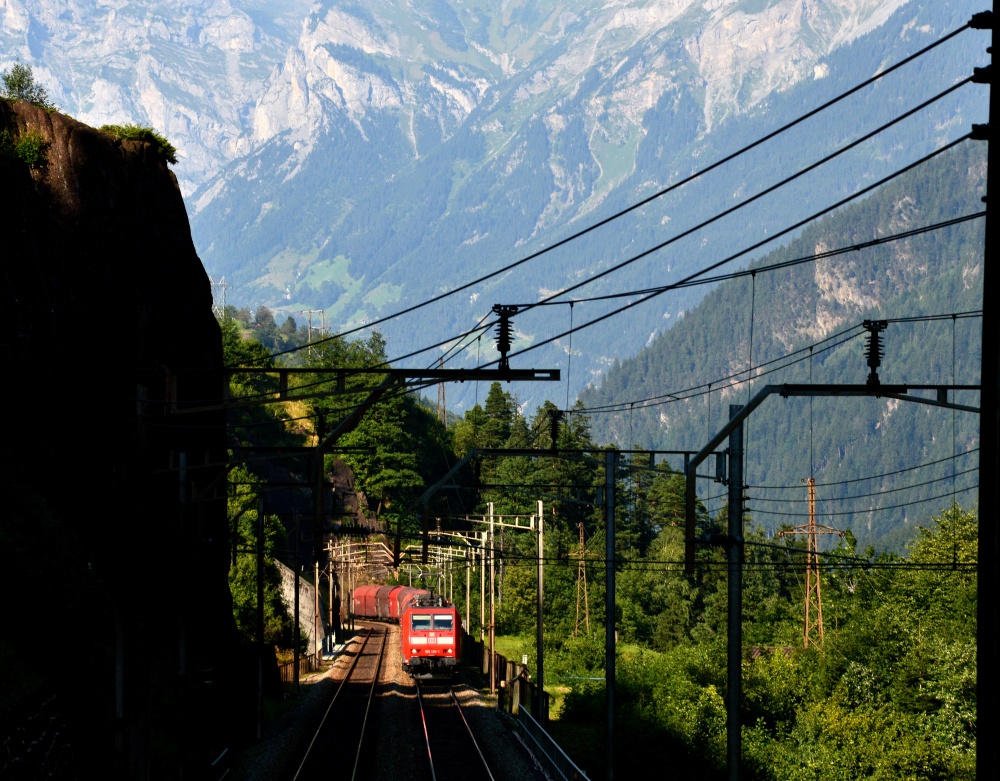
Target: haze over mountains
361, 158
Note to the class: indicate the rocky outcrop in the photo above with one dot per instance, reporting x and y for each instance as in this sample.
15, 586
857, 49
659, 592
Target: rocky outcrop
116, 499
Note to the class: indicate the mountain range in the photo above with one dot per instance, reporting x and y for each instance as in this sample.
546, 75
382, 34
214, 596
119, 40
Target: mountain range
365, 158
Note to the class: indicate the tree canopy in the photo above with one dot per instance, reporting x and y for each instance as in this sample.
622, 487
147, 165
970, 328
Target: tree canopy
18, 83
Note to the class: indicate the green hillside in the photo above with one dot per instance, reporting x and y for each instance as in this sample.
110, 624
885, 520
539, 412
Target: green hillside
873, 459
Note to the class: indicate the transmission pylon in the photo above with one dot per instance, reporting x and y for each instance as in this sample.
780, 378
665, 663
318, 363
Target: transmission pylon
581, 587
309, 313
219, 308
442, 410
812, 631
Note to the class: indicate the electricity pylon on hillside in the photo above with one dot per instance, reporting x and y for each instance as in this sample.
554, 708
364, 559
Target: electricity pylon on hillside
581, 586
812, 630
442, 409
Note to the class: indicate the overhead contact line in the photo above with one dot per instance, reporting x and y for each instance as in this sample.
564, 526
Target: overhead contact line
732, 380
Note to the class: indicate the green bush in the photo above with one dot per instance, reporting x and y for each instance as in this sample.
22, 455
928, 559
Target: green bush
27, 147
30, 148
147, 134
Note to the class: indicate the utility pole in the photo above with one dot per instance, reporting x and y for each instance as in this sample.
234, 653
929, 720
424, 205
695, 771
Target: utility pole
482, 588
309, 314
493, 655
734, 555
260, 617
316, 621
989, 433
812, 626
539, 648
610, 637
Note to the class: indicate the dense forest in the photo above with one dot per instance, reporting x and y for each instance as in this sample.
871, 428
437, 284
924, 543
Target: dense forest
888, 693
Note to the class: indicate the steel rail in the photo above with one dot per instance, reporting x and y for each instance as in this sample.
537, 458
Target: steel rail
468, 733
336, 695
427, 736
329, 707
472, 737
368, 705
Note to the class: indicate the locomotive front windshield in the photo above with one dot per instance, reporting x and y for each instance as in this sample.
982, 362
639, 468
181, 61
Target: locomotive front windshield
443, 621
423, 622
420, 622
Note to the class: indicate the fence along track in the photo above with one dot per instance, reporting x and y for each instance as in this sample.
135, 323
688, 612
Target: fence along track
452, 749
318, 759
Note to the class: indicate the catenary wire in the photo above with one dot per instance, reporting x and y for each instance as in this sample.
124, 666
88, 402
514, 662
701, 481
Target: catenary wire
479, 329
858, 194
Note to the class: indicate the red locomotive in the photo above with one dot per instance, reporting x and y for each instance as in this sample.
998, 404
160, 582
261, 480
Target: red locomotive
430, 627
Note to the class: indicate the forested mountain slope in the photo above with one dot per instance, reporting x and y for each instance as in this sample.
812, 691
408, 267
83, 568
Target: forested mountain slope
880, 465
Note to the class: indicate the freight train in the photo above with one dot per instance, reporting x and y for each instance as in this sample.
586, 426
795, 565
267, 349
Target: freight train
430, 627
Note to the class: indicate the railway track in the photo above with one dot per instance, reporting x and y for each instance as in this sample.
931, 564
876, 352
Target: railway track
338, 741
451, 746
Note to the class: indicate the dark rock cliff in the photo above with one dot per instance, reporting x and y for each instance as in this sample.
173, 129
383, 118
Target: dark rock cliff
115, 618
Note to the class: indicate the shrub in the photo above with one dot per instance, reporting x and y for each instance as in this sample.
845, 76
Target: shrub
138, 133
28, 147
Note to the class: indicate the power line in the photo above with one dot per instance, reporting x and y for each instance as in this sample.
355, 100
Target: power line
751, 248
872, 477
782, 265
880, 492
756, 196
601, 223
869, 509
690, 279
